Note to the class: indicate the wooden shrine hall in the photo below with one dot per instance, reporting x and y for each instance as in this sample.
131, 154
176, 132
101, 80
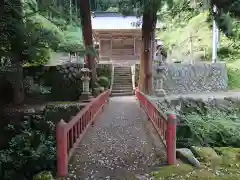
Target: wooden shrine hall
118, 37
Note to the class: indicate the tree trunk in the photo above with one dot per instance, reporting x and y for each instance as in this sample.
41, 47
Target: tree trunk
76, 9
18, 89
16, 39
70, 11
85, 15
148, 30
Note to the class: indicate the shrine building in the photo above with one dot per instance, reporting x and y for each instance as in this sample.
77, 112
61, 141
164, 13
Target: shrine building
118, 37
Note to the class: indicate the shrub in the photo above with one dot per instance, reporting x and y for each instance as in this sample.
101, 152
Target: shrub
31, 88
104, 71
214, 128
54, 112
104, 82
43, 176
63, 81
31, 150
233, 78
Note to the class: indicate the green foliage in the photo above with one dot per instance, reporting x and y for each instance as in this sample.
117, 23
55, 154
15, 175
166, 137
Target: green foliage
40, 32
104, 5
233, 78
42, 36
56, 111
216, 128
104, 82
73, 41
209, 126
104, 71
31, 150
43, 176
187, 24
113, 9
226, 11
56, 78
33, 89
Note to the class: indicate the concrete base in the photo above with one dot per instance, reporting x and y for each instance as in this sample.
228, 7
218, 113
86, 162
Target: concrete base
160, 92
85, 96
88, 100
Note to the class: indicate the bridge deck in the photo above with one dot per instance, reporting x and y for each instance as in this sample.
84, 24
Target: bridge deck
121, 145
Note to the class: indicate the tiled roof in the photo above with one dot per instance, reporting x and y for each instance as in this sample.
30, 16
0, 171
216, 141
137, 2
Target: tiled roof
111, 20
115, 22
106, 14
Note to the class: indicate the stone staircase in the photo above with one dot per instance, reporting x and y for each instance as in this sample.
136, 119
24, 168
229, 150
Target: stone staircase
122, 81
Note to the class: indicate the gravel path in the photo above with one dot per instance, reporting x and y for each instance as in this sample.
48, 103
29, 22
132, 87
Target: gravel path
122, 145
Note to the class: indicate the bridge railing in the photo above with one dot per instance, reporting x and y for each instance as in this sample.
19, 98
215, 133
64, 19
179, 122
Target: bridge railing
69, 134
165, 125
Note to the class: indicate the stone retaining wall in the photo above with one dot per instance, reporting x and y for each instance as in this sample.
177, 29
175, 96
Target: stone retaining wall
62, 79
177, 104
187, 78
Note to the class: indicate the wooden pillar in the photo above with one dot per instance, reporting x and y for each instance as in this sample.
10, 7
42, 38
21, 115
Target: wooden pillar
134, 44
62, 153
171, 139
111, 47
100, 47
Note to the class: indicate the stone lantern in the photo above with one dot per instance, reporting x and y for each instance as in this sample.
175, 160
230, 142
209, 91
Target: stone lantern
159, 68
161, 71
86, 94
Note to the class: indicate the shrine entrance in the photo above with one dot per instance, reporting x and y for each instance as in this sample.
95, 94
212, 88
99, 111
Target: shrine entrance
119, 46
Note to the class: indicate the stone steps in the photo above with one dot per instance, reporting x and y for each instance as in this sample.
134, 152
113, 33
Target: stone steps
121, 90
122, 75
122, 71
122, 94
129, 88
119, 86
122, 82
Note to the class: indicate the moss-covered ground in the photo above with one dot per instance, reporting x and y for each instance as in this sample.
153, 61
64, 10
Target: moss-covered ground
225, 165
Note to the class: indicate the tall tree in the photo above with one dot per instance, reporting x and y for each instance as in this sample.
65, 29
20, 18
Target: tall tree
13, 28
85, 15
148, 31
148, 10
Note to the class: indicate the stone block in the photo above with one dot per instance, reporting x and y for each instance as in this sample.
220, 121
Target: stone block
187, 156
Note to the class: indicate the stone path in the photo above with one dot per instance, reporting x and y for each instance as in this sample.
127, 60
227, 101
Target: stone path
122, 145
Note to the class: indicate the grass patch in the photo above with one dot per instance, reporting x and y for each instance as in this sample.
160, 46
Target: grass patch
233, 77
186, 172
209, 127
226, 168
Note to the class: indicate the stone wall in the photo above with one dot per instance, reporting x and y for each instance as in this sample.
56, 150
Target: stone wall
187, 78
60, 80
224, 102
64, 80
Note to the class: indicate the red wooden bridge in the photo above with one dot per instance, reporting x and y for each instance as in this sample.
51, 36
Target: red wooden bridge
117, 131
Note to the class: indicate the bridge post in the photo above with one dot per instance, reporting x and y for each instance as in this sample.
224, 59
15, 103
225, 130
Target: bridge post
62, 154
171, 139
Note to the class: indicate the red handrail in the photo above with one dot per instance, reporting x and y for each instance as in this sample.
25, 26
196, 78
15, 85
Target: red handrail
165, 126
69, 134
